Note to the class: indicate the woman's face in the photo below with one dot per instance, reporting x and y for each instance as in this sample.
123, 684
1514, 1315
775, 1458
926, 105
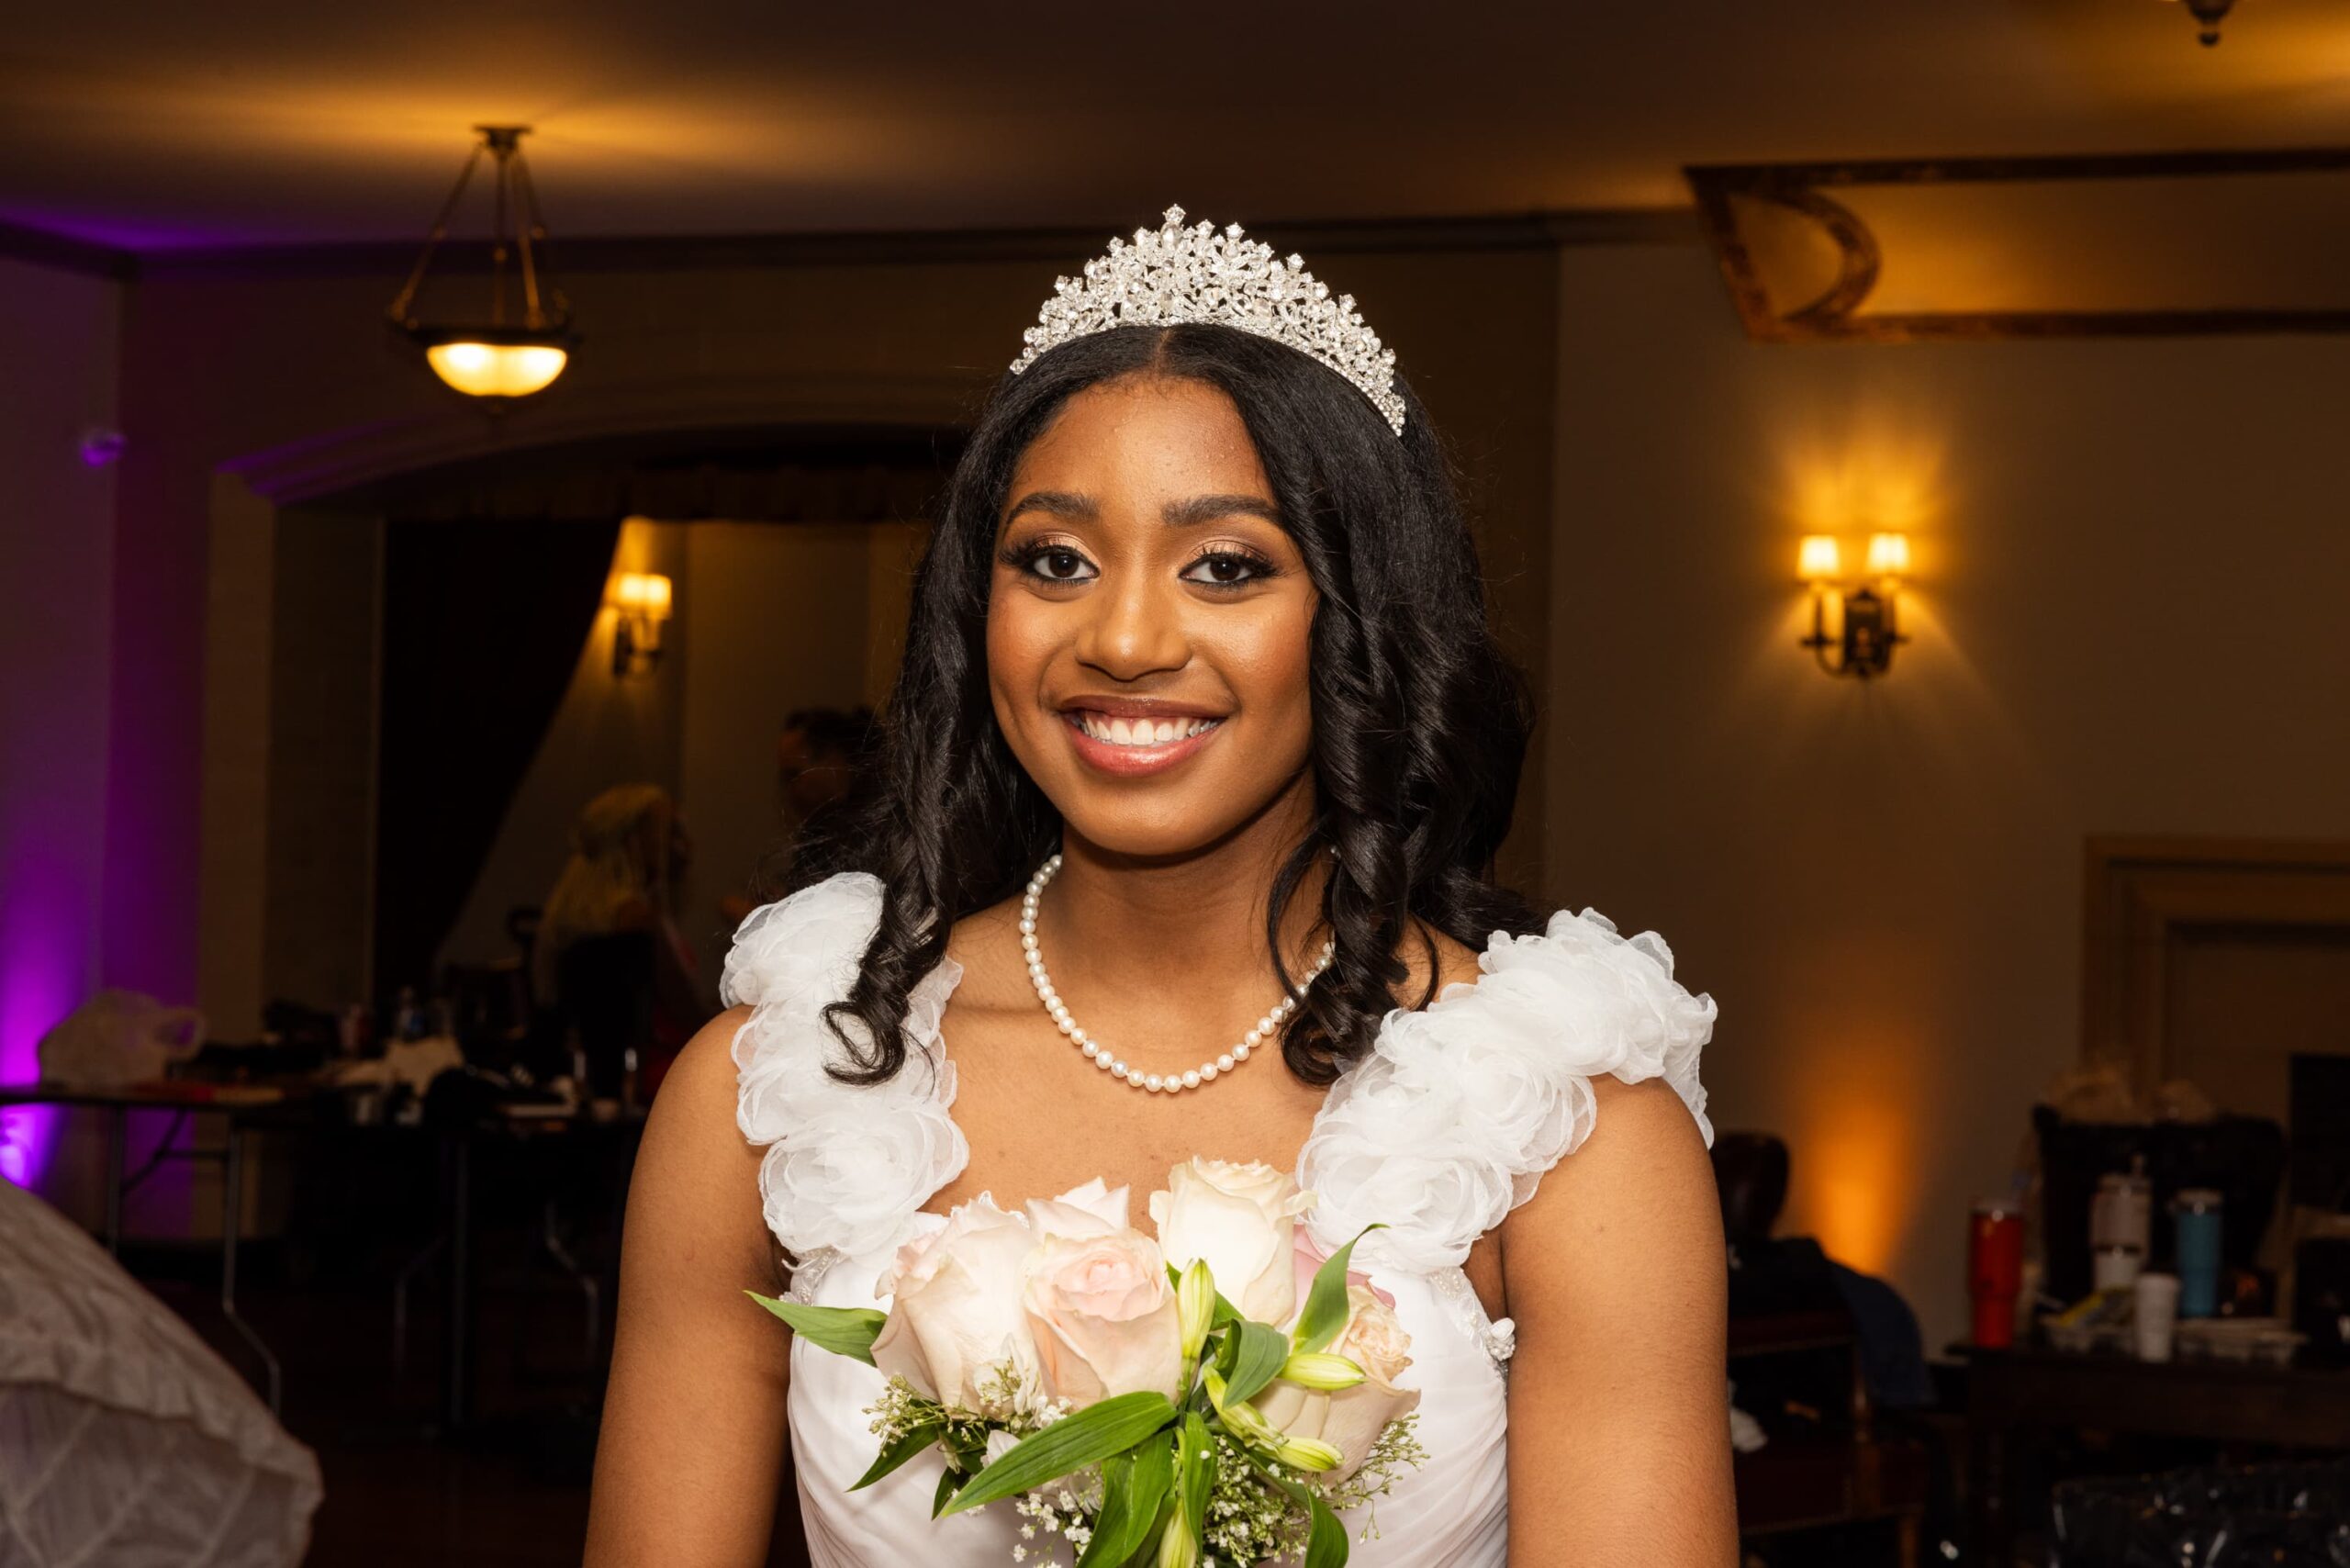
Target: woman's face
1149, 620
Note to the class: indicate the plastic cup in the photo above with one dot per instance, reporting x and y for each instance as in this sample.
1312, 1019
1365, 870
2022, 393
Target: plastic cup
2154, 1300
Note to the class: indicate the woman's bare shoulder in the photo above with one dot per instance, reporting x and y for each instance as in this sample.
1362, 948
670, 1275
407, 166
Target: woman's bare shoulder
692, 1128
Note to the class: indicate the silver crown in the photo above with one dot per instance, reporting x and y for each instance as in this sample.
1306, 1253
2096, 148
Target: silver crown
1195, 274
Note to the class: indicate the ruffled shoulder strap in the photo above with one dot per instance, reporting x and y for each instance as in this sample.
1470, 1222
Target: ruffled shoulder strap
846, 1165
1461, 1106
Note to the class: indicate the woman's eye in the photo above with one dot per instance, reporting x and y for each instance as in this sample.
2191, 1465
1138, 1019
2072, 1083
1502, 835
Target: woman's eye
1226, 569
1059, 564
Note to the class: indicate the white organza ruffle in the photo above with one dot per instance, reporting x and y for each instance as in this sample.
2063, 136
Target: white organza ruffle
846, 1165
1461, 1107
1445, 1127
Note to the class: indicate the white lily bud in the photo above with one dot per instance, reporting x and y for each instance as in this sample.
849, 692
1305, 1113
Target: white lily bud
1176, 1547
1244, 1420
1308, 1454
1195, 1305
1320, 1369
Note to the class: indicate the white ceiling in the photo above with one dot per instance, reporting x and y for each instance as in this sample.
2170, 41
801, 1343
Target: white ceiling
159, 124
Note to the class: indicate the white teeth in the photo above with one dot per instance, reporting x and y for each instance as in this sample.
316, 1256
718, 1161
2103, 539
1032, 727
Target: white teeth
1142, 731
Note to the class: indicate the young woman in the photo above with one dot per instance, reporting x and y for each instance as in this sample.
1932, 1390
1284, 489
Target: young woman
1199, 659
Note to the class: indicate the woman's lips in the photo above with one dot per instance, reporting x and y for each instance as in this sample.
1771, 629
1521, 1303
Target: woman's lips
1116, 744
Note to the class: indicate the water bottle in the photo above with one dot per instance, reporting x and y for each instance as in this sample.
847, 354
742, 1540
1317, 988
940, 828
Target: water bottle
2195, 1227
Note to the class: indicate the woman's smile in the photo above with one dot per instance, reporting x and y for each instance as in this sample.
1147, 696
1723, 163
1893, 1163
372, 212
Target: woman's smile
1132, 739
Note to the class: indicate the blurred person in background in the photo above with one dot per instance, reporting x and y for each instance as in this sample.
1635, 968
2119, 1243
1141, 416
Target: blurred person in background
609, 956
817, 753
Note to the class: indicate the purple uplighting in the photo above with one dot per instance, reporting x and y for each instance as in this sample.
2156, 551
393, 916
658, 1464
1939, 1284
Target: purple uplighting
43, 975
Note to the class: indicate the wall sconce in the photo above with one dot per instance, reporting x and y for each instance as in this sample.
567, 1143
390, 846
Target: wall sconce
1868, 632
642, 601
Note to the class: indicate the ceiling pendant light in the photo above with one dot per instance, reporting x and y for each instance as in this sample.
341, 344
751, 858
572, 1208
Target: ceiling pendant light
498, 358
2208, 14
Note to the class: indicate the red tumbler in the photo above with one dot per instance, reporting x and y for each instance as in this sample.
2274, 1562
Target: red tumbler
1995, 1271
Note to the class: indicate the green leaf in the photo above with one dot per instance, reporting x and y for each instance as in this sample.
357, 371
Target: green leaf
1257, 1362
1133, 1486
1093, 1434
843, 1330
1326, 1546
1325, 1304
1195, 1473
894, 1454
949, 1480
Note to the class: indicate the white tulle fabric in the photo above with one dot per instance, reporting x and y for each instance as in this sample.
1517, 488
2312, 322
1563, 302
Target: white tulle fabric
1449, 1123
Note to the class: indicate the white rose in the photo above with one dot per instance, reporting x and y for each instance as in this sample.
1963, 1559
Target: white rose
956, 1321
1093, 1209
1241, 1220
1103, 1317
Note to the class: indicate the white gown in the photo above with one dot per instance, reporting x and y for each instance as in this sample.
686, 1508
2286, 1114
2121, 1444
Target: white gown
1438, 1133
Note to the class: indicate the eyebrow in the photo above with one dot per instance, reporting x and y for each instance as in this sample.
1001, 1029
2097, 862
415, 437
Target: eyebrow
1059, 503
1207, 509
1175, 514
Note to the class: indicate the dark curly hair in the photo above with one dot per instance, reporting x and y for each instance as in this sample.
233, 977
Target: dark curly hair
1420, 723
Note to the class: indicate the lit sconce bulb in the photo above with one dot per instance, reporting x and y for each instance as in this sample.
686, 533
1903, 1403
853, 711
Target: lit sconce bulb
1888, 554
643, 600
1819, 561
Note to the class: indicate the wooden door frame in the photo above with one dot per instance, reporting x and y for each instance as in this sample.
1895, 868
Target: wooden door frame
2138, 891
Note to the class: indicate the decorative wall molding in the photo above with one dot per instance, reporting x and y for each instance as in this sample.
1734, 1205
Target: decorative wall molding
1812, 192
2139, 893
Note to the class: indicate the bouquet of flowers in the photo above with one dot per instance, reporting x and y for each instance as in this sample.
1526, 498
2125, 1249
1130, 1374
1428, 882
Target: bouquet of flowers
1217, 1395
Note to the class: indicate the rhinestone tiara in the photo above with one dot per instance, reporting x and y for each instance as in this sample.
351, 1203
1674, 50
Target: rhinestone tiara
1179, 276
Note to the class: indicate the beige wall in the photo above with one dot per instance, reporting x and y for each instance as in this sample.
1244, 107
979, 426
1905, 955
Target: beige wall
58, 351
2131, 584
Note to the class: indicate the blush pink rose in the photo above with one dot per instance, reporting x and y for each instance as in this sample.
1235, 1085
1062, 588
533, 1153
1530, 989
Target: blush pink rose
956, 1321
1350, 1419
1103, 1317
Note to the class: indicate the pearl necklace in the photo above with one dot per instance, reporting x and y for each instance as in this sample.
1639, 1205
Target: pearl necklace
1099, 1055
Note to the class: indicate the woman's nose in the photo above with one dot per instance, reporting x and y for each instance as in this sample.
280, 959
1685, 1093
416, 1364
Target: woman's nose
1133, 630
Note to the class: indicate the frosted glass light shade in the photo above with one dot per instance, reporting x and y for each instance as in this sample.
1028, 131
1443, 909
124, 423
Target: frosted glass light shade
643, 593
497, 370
1818, 559
1888, 554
